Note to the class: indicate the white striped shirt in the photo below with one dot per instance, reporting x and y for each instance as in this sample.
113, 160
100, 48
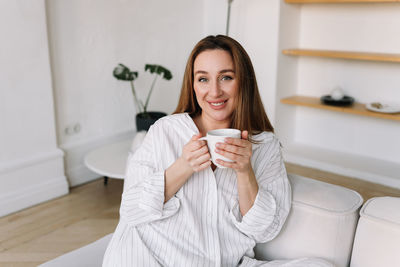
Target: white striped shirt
201, 225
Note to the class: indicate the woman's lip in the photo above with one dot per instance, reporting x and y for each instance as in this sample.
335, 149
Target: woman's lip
217, 107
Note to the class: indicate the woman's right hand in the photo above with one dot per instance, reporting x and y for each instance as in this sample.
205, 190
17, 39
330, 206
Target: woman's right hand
195, 154
194, 158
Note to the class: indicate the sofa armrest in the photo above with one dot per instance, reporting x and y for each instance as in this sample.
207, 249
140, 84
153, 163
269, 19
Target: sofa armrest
321, 224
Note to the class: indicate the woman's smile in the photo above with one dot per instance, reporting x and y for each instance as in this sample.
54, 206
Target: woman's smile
218, 104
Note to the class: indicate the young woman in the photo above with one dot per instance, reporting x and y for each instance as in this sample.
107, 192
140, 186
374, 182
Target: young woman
178, 209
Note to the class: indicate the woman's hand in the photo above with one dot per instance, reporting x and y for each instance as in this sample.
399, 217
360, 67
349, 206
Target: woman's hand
194, 158
195, 154
238, 150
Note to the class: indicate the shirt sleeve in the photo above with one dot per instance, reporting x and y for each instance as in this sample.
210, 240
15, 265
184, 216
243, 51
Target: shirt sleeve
266, 217
143, 197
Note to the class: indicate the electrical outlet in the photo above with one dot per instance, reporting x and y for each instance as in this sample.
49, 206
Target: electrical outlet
68, 130
77, 128
72, 129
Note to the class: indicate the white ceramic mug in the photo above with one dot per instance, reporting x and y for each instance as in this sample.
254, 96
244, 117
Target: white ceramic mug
218, 136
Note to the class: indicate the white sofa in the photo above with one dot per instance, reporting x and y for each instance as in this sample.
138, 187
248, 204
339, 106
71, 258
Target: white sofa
324, 222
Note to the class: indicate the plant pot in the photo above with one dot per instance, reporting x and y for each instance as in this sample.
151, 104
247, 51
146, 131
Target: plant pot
145, 120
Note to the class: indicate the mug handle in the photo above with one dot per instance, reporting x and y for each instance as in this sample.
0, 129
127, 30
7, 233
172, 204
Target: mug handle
204, 138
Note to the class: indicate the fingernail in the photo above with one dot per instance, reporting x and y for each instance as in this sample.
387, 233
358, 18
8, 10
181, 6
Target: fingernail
218, 144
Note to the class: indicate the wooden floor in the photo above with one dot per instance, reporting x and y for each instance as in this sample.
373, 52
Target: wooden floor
43, 232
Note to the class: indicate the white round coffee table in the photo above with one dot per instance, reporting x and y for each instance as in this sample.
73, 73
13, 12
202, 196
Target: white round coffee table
110, 160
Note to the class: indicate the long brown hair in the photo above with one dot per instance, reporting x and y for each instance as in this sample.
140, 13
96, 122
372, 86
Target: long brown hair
249, 113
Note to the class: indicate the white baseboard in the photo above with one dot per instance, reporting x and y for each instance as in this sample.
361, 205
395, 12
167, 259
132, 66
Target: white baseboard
30, 181
11, 165
76, 171
33, 195
352, 165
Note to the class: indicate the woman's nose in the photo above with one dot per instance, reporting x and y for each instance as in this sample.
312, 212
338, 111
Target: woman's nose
215, 89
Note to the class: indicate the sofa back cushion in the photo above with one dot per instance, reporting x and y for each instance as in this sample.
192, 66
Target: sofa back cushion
377, 240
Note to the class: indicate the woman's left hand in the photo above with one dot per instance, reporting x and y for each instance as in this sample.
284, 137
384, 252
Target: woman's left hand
238, 150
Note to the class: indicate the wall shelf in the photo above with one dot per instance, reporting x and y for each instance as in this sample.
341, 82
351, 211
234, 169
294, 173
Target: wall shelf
339, 1
365, 148
383, 57
356, 108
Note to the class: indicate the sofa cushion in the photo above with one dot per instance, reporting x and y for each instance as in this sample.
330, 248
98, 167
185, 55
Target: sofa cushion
323, 197
383, 209
321, 223
377, 241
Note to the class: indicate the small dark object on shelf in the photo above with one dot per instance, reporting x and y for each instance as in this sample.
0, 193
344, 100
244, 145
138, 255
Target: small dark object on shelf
345, 101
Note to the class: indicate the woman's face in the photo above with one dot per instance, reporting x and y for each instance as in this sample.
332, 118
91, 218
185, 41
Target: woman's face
215, 85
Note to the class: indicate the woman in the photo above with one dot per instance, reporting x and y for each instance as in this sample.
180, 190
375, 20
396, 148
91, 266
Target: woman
177, 208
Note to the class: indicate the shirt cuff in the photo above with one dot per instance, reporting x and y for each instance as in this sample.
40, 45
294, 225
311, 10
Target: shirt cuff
152, 199
259, 218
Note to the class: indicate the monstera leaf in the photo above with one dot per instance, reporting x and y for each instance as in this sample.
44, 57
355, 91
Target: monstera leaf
160, 70
122, 72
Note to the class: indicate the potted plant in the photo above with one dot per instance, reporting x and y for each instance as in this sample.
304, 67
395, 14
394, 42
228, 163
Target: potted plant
144, 118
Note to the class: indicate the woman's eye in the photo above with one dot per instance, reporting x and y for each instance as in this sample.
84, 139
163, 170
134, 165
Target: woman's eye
202, 79
226, 78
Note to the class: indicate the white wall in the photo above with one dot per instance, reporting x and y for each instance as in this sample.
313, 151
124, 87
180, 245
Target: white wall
287, 68
255, 25
31, 165
88, 39
215, 13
